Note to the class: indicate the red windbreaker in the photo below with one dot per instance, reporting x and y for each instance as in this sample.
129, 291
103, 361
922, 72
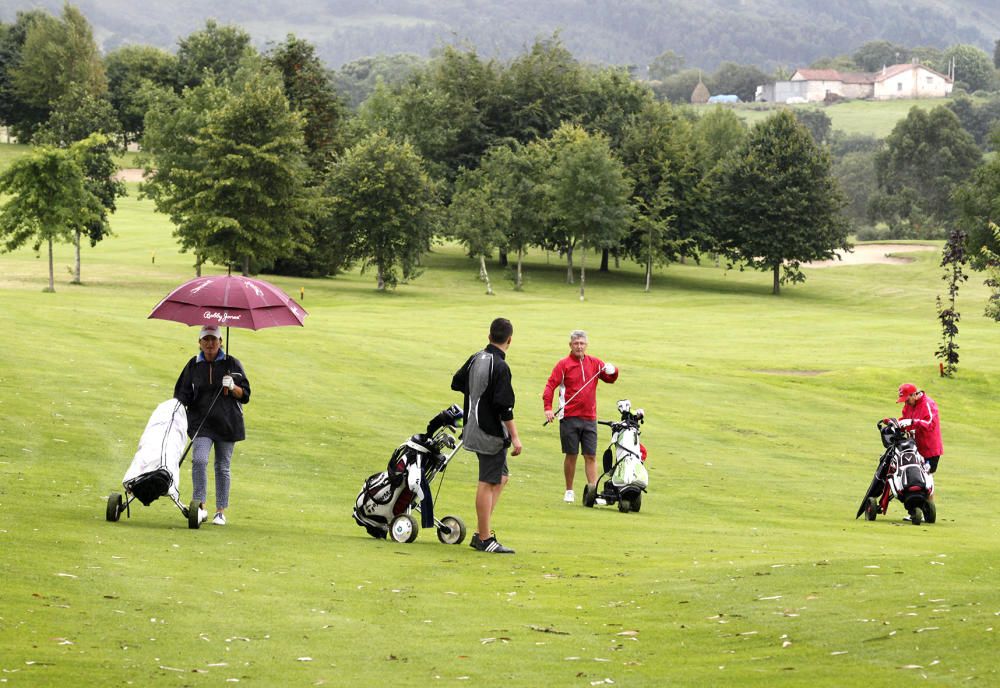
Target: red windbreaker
569, 375
927, 423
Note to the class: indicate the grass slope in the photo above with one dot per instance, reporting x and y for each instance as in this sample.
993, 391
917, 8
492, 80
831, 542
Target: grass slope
873, 117
745, 566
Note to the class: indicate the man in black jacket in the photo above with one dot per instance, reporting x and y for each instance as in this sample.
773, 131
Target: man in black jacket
485, 380
213, 387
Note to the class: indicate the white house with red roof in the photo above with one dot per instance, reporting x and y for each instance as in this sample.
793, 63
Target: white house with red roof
911, 80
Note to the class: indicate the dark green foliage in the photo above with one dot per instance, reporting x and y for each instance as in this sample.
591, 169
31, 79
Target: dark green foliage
22, 117
953, 260
665, 64
741, 80
677, 88
926, 156
215, 51
228, 166
855, 173
77, 115
132, 71
816, 121
978, 205
356, 80
973, 67
874, 55
382, 208
777, 203
978, 117
310, 91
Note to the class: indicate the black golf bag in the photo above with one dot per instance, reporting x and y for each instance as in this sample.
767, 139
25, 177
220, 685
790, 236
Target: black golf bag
384, 504
901, 473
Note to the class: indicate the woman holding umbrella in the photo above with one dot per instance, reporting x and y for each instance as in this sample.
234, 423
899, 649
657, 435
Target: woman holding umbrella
213, 387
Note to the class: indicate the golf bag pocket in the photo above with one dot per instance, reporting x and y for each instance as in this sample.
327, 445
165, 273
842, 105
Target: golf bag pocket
377, 490
630, 473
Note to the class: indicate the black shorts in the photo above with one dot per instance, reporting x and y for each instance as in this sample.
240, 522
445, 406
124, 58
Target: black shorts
933, 461
574, 432
493, 467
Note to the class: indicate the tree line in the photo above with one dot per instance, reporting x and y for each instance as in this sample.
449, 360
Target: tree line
260, 165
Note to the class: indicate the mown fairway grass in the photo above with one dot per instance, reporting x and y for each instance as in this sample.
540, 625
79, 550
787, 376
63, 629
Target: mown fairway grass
745, 567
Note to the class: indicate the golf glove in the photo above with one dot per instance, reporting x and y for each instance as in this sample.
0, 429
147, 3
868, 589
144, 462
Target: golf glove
609, 369
228, 383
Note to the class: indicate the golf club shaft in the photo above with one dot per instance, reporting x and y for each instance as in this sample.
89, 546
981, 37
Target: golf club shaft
566, 403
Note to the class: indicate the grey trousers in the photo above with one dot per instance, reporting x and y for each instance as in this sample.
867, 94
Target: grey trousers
199, 469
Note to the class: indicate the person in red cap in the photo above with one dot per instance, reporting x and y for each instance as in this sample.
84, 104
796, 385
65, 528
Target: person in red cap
922, 413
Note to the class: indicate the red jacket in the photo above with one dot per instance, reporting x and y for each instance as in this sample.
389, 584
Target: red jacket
928, 425
569, 375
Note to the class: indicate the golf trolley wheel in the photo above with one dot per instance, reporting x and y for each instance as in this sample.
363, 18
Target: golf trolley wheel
637, 503
114, 510
917, 516
930, 512
589, 495
624, 505
193, 521
871, 509
404, 528
451, 531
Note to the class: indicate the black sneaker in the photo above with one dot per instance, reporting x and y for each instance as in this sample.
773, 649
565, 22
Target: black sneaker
475, 542
490, 545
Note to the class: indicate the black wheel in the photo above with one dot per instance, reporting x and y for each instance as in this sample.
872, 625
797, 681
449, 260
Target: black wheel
917, 516
624, 505
637, 502
871, 509
114, 509
194, 520
589, 495
452, 530
404, 528
930, 512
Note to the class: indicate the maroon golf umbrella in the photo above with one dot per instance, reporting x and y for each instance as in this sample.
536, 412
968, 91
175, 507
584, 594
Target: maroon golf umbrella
229, 301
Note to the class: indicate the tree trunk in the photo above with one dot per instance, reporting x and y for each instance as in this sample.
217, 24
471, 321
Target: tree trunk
604, 259
569, 265
649, 272
777, 282
617, 261
52, 281
76, 266
518, 281
485, 276
379, 280
583, 271
197, 264
246, 266
503, 259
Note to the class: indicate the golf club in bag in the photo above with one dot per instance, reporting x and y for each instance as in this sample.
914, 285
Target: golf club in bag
155, 468
901, 473
625, 476
384, 505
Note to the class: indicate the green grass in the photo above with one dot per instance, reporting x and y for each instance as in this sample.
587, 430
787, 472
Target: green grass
745, 566
872, 117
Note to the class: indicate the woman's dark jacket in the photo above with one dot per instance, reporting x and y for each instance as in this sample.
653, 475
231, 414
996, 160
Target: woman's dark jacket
198, 385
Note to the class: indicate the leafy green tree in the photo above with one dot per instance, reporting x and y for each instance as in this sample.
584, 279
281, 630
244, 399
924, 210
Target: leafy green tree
677, 88
874, 55
57, 56
588, 194
953, 259
382, 206
518, 181
132, 71
478, 218
47, 197
978, 204
973, 67
665, 64
20, 116
661, 158
817, 122
855, 173
310, 92
741, 80
540, 90
356, 80
978, 117
990, 260
226, 162
77, 115
215, 51
717, 133
609, 100
926, 156
777, 203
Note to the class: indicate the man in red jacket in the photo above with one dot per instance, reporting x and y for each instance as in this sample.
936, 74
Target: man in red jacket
576, 377
922, 412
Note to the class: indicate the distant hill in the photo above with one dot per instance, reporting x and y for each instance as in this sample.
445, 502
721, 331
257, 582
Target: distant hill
767, 33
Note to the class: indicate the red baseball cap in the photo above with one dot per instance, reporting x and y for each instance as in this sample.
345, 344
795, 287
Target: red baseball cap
905, 390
